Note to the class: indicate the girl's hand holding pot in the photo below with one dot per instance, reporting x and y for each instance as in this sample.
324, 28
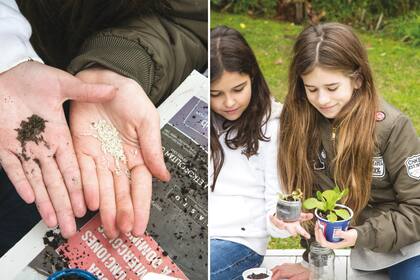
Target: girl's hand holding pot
293, 228
294, 271
349, 238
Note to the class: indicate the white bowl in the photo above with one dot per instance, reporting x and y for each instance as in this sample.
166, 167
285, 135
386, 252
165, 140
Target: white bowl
257, 270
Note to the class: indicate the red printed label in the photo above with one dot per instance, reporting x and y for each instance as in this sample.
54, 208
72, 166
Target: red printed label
125, 257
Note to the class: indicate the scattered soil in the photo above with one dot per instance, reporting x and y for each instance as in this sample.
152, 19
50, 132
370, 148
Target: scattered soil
257, 276
51, 261
31, 130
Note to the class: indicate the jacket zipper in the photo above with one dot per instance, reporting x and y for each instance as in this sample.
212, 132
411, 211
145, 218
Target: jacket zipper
333, 134
333, 138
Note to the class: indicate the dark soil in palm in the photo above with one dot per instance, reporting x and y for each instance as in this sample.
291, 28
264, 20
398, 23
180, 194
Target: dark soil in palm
257, 276
31, 130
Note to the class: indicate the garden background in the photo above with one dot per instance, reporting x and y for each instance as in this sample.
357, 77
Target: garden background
390, 31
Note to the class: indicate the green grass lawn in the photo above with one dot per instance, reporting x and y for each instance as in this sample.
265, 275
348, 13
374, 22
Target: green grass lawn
394, 64
395, 67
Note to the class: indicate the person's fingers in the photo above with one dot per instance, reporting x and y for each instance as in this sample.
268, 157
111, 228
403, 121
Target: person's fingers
75, 89
69, 168
125, 215
301, 276
291, 228
59, 196
278, 272
151, 148
277, 222
107, 208
276, 275
319, 235
349, 238
287, 270
306, 217
90, 183
341, 234
14, 171
141, 191
274, 269
300, 230
42, 200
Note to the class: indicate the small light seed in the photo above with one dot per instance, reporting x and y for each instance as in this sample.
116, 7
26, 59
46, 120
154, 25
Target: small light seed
111, 142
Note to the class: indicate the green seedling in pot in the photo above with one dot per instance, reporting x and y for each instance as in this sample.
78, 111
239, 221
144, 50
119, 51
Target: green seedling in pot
289, 206
326, 202
296, 195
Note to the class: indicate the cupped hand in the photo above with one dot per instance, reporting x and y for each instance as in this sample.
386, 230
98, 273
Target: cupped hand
118, 180
349, 238
291, 271
294, 228
36, 149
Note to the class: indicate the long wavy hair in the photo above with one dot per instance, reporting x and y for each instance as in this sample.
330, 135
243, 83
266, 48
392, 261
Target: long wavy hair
331, 46
230, 52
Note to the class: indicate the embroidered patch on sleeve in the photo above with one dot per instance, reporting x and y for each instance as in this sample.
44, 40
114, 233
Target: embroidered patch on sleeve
378, 170
413, 166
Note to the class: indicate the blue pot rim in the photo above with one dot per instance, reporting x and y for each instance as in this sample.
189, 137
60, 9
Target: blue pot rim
72, 271
336, 222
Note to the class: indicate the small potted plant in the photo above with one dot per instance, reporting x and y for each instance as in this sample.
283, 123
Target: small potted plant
257, 273
331, 215
289, 206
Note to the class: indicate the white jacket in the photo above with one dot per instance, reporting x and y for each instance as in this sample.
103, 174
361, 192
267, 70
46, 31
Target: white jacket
15, 32
246, 192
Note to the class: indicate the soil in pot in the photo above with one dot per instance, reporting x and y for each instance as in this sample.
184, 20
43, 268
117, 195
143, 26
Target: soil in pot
71, 277
325, 214
289, 198
257, 276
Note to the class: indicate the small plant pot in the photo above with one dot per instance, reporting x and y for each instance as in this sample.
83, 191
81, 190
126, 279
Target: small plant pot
289, 211
330, 228
261, 273
72, 274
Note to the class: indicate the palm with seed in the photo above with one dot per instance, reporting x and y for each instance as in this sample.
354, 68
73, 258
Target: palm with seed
124, 203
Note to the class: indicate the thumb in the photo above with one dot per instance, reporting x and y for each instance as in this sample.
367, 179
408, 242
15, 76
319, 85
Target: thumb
306, 217
75, 89
340, 233
151, 146
277, 222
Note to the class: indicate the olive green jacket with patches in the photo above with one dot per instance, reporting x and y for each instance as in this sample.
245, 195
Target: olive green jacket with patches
156, 47
391, 220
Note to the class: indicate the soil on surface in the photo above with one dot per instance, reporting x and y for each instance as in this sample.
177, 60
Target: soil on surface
51, 261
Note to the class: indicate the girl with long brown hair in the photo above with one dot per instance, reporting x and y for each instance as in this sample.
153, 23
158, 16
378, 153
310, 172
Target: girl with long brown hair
335, 130
243, 171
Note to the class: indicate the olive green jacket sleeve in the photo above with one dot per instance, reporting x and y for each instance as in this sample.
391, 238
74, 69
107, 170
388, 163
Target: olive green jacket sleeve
155, 51
393, 225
